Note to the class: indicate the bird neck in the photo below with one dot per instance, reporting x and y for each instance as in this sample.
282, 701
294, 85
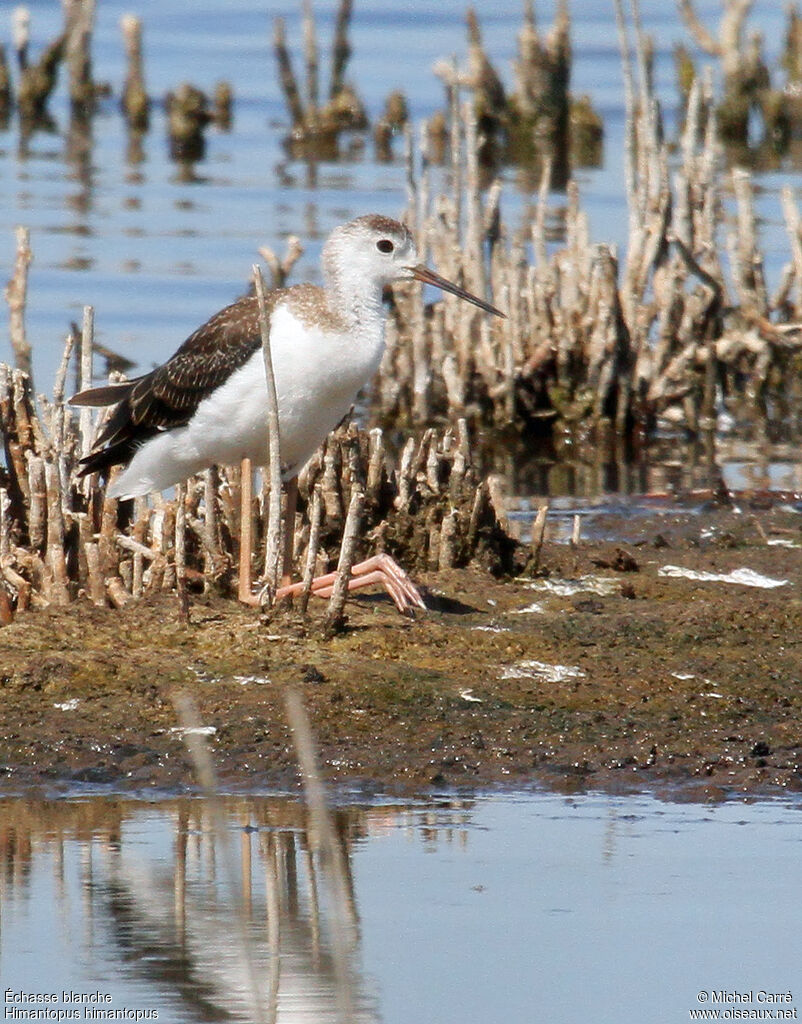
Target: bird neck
354, 295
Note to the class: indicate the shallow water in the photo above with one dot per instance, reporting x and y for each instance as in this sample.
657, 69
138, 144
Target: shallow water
533, 907
156, 252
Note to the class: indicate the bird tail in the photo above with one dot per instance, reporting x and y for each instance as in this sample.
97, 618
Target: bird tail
108, 394
105, 458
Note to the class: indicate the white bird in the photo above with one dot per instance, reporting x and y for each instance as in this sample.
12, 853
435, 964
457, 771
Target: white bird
207, 404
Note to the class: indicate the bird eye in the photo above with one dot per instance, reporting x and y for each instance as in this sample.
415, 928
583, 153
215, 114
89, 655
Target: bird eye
385, 245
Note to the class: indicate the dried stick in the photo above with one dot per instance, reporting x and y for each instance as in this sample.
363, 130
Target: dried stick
210, 530
376, 461
792, 225
5, 524
315, 522
21, 34
353, 522
37, 82
56, 562
576, 530
341, 49
245, 529
286, 74
700, 32
538, 535
181, 552
37, 503
311, 58
630, 163
79, 18
539, 228
116, 592
87, 344
280, 269
273, 556
134, 101
16, 294
97, 588
448, 540
135, 547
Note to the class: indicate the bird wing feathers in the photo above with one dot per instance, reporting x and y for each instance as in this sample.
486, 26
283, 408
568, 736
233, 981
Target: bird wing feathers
168, 396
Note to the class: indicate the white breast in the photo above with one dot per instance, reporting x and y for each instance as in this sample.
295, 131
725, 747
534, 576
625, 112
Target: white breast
318, 375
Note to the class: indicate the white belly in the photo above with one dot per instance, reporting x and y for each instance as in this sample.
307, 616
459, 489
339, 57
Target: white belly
317, 377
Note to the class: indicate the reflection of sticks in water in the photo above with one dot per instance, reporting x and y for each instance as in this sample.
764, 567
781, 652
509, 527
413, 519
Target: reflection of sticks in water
343, 910
193, 738
180, 876
321, 831
273, 904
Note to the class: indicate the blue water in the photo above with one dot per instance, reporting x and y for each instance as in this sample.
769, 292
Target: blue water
156, 255
581, 910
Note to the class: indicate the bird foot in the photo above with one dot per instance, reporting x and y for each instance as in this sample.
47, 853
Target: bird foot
379, 569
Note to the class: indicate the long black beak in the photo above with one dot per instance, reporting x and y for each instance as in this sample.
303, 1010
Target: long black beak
421, 273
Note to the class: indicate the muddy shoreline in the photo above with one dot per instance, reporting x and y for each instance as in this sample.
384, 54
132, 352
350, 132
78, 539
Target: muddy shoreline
601, 672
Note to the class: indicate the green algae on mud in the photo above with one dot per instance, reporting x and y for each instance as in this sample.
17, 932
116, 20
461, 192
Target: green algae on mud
585, 676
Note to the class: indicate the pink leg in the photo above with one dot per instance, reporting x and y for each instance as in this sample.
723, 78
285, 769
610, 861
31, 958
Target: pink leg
380, 569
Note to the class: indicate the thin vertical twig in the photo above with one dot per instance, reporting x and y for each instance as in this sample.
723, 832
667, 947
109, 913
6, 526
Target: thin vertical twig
273, 556
79, 19
56, 562
16, 294
87, 353
538, 534
353, 522
315, 523
134, 100
311, 59
287, 78
341, 49
211, 546
181, 552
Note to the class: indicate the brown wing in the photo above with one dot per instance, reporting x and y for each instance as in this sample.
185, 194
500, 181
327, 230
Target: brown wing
168, 396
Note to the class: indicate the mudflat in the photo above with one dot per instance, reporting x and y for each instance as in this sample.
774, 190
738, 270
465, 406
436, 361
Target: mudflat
671, 661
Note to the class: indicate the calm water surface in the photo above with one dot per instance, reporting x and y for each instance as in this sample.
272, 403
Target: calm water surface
589, 909
156, 252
